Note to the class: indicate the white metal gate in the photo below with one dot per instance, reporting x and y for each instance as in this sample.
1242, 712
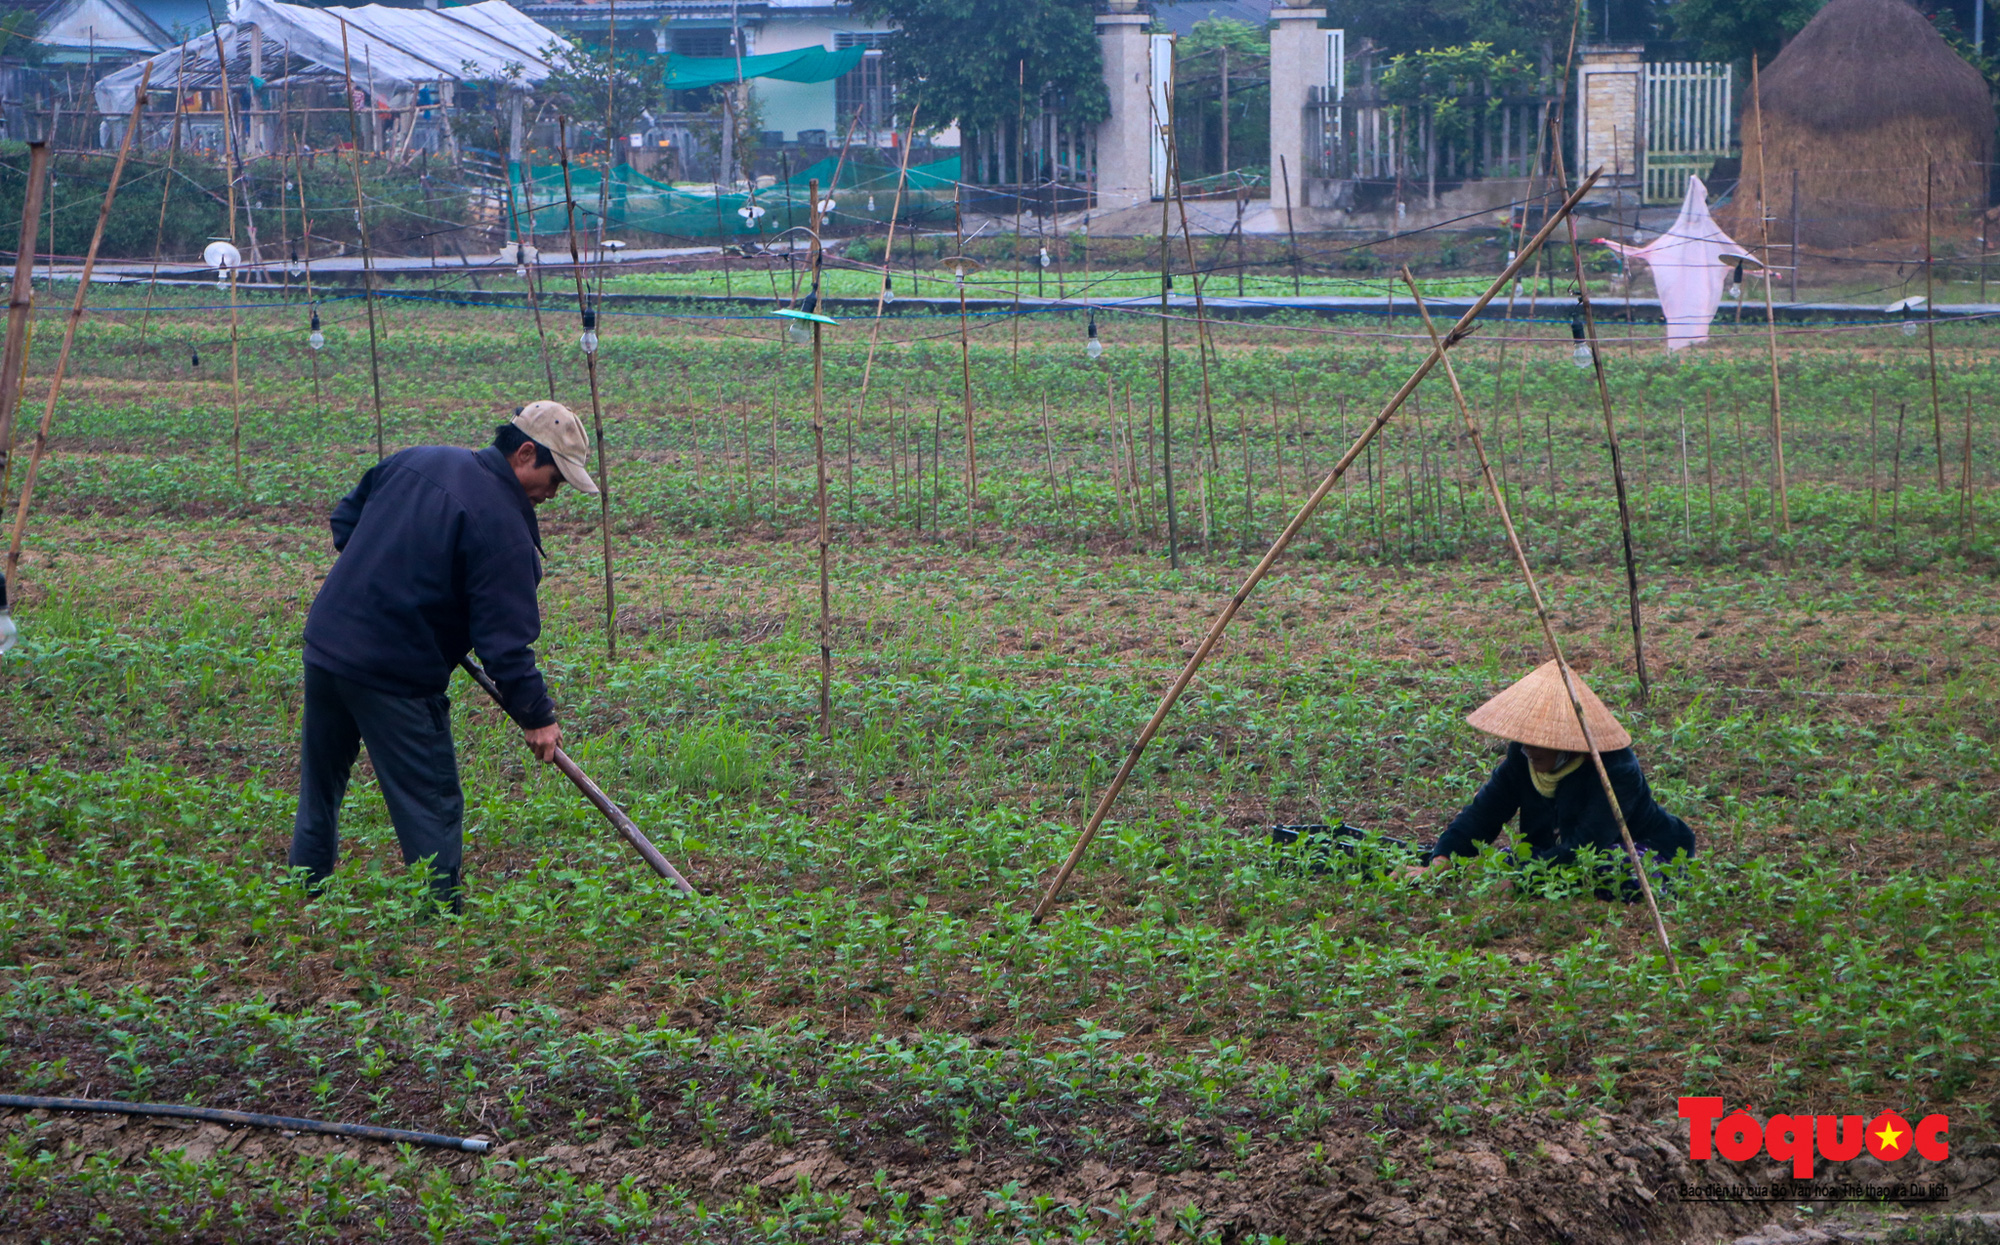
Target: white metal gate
1687, 124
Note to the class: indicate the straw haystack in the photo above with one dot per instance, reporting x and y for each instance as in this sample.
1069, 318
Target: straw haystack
1858, 103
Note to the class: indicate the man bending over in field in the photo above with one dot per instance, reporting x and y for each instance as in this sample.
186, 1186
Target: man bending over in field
439, 553
1547, 777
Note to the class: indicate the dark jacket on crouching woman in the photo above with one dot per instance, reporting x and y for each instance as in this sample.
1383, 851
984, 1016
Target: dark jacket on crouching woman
1577, 816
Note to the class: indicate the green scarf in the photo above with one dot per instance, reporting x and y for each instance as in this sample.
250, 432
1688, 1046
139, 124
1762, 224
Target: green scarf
1546, 784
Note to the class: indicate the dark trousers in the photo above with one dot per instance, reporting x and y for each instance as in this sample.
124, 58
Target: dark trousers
409, 742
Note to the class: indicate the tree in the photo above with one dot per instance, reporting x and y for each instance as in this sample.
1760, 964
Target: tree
580, 75
1731, 30
1535, 26
964, 59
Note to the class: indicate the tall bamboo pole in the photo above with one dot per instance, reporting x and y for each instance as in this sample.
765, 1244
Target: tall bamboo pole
1166, 347
521, 247
166, 189
305, 249
1549, 631
1930, 331
1204, 341
1611, 439
20, 304
1770, 313
587, 319
233, 166
819, 478
69, 329
888, 257
361, 224
1263, 567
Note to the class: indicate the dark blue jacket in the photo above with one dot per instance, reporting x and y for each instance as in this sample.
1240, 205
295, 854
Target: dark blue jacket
439, 554
1578, 816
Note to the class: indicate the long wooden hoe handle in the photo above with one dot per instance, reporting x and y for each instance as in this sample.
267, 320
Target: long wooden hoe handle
1277, 550
595, 794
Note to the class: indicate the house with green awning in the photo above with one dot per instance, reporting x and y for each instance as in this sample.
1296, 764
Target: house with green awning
809, 65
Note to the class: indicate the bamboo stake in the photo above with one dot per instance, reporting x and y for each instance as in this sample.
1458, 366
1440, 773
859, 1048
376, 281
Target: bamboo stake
1204, 341
749, 488
1263, 567
1874, 449
521, 247
819, 457
166, 188
1549, 632
1896, 480
1617, 468
361, 224
965, 380
1708, 455
1687, 486
1742, 462
1771, 315
305, 249
20, 305
1167, 369
588, 317
1049, 449
888, 255
1965, 483
69, 329
1930, 331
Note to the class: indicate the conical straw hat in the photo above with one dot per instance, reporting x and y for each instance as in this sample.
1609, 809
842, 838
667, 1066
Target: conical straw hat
1537, 711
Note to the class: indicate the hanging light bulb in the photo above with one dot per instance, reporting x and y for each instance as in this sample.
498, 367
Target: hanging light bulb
1581, 356
315, 338
589, 339
796, 330
1092, 347
871, 203
194, 356
1736, 281
1908, 306
888, 290
1045, 257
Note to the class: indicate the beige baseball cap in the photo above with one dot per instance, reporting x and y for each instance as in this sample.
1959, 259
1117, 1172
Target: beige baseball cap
553, 425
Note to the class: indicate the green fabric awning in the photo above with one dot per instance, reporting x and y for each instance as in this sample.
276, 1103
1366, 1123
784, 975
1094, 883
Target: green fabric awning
814, 64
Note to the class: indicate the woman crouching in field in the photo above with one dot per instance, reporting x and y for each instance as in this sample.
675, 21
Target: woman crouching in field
1548, 779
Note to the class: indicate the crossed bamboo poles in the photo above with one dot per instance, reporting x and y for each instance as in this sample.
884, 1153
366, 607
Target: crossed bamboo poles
1299, 520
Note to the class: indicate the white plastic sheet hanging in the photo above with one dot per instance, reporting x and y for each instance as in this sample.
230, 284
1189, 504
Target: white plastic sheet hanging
1688, 267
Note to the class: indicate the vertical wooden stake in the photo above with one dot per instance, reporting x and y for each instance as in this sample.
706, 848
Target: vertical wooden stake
1965, 483
361, 223
1708, 455
1930, 331
586, 316
20, 304
1874, 449
166, 188
819, 457
1896, 479
69, 328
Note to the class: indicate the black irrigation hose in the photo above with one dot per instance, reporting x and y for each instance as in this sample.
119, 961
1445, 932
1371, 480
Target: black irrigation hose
249, 1119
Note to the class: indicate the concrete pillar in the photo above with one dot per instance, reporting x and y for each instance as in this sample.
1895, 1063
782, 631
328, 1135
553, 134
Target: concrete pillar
1125, 139
1298, 63
1611, 117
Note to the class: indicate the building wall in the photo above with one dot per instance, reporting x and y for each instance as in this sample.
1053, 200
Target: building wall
793, 106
